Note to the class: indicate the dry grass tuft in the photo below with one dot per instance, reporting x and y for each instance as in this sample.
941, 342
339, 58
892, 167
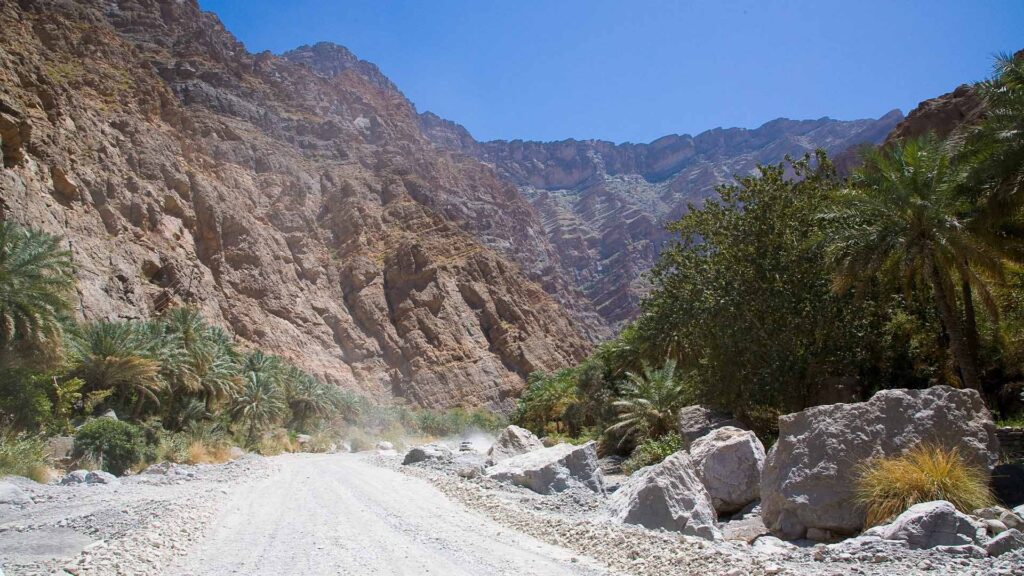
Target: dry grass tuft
886, 487
201, 453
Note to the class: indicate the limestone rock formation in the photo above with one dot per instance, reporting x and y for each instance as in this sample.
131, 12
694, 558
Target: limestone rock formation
668, 495
293, 199
604, 205
553, 469
512, 441
809, 474
728, 462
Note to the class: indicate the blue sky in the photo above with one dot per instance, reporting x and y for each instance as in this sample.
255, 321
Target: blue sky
639, 69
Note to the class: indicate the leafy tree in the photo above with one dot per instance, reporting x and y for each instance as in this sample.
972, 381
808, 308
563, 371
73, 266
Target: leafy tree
744, 299
116, 445
35, 280
906, 217
649, 403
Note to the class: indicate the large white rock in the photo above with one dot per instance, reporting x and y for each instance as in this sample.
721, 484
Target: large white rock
513, 441
11, 494
696, 421
427, 452
553, 469
932, 524
667, 495
728, 462
809, 475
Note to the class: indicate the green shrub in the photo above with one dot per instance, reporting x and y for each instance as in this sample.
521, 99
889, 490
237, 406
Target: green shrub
116, 445
652, 451
22, 455
888, 486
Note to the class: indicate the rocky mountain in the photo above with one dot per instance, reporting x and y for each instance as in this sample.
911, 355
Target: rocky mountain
293, 198
604, 205
302, 202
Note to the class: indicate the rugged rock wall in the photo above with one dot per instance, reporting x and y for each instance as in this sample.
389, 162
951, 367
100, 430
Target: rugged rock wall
604, 206
293, 198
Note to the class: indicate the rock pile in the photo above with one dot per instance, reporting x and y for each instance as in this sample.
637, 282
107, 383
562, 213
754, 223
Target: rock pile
554, 469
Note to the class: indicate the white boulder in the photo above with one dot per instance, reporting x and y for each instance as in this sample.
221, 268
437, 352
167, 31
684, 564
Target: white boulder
667, 495
513, 441
427, 452
101, 477
932, 524
11, 494
809, 475
728, 462
553, 469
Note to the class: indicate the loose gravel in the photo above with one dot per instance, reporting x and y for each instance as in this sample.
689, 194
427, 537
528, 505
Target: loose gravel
576, 520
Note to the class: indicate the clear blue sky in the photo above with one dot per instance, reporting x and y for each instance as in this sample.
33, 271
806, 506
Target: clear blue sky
638, 69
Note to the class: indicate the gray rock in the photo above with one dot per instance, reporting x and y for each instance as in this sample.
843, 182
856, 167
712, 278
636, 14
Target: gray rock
728, 462
696, 421
932, 524
668, 495
1008, 541
74, 477
513, 441
771, 545
994, 527
966, 550
11, 494
1011, 520
109, 414
382, 445
809, 475
101, 477
427, 452
553, 469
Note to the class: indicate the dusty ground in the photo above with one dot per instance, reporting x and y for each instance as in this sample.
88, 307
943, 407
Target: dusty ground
362, 514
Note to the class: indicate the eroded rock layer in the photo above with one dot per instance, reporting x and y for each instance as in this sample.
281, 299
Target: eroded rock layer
604, 205
294, 199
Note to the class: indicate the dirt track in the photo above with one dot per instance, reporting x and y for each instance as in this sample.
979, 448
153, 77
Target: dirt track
338, 514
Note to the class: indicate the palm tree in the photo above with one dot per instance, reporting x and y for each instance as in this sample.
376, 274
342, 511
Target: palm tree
119, 356
649, 403
906, 215
308, 399
35, 279
258, 404
208, 366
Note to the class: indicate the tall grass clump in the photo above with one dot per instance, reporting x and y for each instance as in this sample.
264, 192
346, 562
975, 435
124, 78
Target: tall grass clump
886, 487
22, 455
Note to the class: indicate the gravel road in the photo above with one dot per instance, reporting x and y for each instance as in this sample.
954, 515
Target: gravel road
339, 514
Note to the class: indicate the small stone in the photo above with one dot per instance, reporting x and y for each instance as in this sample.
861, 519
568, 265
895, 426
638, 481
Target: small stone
1008, 541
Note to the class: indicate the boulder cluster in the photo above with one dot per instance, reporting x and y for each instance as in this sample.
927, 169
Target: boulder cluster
724, 485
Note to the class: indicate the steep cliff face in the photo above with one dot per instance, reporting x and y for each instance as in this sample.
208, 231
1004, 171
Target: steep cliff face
604, 206
294, 199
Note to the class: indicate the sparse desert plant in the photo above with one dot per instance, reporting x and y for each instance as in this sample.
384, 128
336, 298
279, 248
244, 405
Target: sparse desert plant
276, 442
886, 487
652, 451
23, 455
115, 445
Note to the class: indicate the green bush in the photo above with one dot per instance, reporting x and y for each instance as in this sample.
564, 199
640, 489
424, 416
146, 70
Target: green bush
23, 455
116, 445
652, 451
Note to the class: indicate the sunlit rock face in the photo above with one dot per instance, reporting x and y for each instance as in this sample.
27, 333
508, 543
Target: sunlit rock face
604, 206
